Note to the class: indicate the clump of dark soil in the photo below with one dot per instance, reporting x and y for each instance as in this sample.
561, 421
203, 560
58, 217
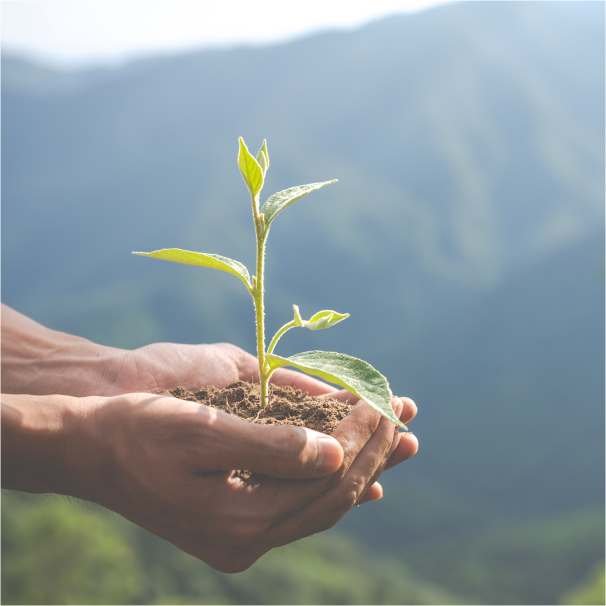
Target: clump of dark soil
286, 405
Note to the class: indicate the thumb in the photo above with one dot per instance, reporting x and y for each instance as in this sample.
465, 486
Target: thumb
282, 451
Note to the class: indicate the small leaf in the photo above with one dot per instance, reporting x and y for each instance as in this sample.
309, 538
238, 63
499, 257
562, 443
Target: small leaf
324, 319
252, 173
195, 258
298, 319
355, 375
278, 202
263, 158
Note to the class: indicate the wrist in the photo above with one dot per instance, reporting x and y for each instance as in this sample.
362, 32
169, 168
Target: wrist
39, 361
48, 443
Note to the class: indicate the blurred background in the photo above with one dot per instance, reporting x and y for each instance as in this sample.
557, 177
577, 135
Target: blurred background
465, 237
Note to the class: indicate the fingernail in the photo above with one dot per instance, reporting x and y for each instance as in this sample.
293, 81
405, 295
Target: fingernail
399, 408
330, 455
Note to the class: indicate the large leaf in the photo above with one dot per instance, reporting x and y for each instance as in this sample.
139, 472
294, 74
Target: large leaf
278, 202
195, 258
355, 375
252, 173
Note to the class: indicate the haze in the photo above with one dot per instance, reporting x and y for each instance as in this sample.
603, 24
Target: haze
74, 34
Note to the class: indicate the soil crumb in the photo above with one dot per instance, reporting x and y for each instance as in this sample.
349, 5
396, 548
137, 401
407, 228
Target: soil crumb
286, 405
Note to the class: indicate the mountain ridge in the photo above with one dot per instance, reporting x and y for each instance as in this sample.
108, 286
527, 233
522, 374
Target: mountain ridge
464, 234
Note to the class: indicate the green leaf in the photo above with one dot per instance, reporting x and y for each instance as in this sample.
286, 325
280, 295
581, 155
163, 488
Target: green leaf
355, 375
278, 202
324, 319
263, 158
195, 258
252, 173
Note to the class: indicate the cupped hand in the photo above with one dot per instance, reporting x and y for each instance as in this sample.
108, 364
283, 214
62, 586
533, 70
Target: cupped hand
168, 365
167, 465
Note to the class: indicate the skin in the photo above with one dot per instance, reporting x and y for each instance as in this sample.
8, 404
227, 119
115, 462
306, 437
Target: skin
90, 427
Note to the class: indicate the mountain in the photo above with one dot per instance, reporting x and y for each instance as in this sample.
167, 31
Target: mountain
465, 237
467, 141
510, 473
518, 377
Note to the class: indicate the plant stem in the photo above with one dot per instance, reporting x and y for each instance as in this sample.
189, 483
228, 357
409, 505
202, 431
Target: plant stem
277, 336
261, 234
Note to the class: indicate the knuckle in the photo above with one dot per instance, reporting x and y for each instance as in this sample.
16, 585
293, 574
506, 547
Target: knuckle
351, 495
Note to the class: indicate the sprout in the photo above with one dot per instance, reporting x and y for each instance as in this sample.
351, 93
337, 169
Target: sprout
355, 375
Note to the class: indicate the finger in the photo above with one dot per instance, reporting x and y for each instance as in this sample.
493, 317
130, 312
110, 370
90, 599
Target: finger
353, 434
382, 465
285, 376
374, 493
327, 509
280, 451
354, 431
409, 410
407, 448
367, 466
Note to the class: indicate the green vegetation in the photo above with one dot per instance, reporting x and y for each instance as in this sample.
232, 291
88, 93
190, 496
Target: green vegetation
531, 562
56, 552
478, 130
59, 552
591, 590
355, 375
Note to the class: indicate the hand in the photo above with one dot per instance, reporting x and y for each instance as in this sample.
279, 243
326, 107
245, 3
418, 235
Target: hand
166, 465
168, 365
38, 360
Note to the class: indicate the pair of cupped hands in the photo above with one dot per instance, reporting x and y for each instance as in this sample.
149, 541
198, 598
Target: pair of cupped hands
166, 464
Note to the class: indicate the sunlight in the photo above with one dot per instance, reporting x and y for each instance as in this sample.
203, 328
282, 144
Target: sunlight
79, 33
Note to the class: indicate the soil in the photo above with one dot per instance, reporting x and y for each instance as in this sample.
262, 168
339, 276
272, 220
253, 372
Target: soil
286, 405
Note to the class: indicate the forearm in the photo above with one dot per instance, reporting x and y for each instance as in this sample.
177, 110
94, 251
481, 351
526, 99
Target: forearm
37, 360
46, 442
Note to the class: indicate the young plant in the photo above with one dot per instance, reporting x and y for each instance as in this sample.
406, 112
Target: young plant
355, 375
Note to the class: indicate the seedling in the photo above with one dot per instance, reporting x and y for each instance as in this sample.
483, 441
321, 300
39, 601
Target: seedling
355, 375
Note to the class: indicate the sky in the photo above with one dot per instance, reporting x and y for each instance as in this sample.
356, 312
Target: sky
81, 33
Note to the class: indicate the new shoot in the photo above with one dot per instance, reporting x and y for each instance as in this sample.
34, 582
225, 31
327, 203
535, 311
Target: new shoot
355, 375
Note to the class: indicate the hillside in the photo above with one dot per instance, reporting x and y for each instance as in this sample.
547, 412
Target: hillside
463, 143
465, 237
514, 385
510, 475
106, 562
